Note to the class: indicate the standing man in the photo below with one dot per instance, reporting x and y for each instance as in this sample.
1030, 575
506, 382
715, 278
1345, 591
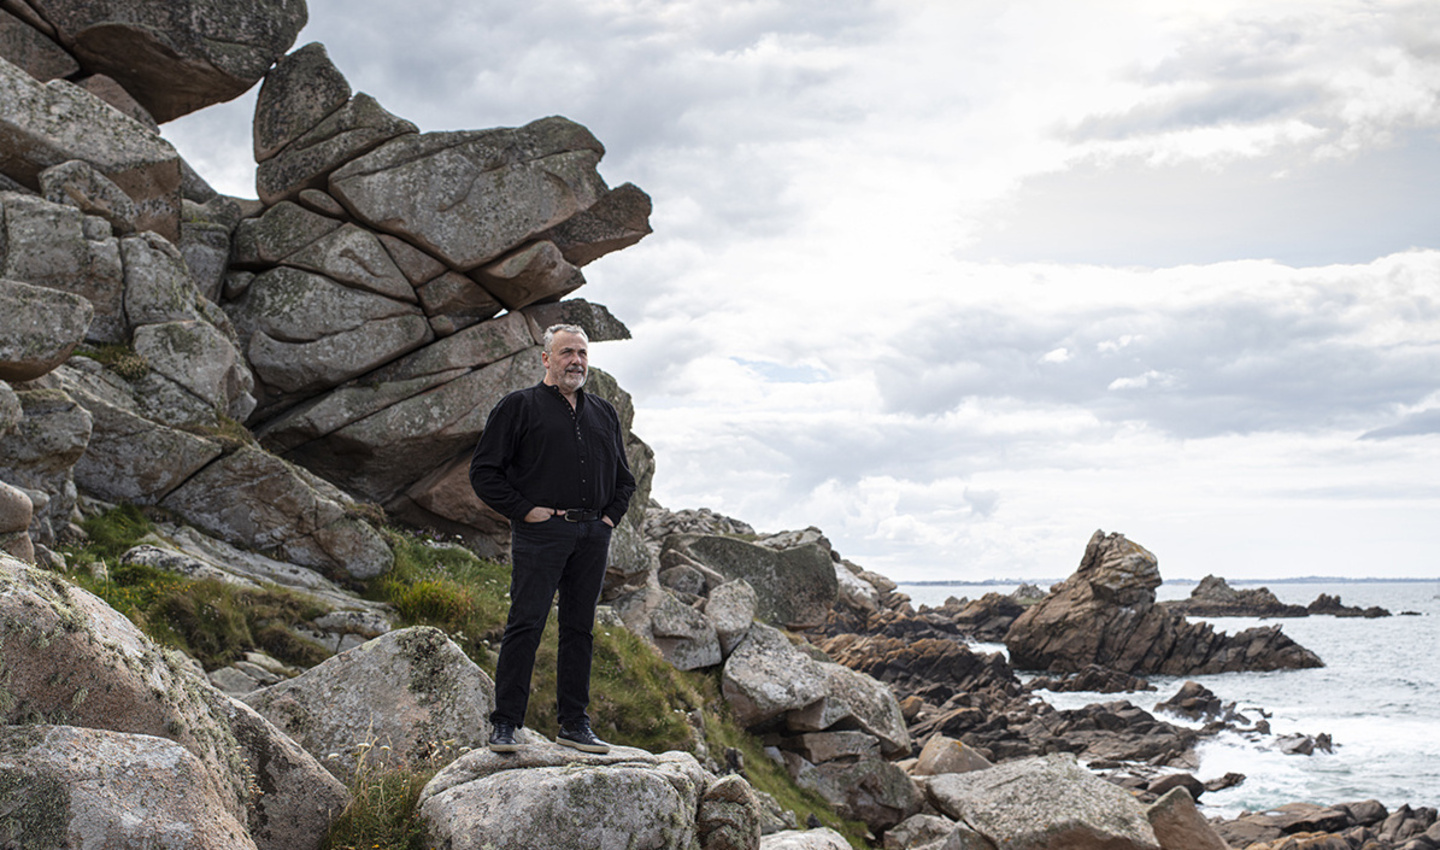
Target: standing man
552, 460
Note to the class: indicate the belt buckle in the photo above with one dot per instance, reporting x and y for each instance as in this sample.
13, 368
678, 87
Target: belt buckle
570, 516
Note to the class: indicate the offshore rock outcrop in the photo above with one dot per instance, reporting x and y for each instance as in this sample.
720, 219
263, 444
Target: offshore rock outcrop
1106, 614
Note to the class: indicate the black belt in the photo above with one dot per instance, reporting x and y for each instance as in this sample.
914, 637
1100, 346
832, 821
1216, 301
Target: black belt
579, 515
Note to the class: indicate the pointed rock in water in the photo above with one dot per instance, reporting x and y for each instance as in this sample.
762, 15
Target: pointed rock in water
1106, 614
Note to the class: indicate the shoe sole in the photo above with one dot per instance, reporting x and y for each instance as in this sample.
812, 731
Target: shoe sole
504, 748
584, 748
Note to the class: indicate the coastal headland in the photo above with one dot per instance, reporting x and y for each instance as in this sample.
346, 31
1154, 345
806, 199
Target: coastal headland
248, 600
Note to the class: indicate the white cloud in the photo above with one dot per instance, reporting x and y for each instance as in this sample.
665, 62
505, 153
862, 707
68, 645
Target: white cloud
960, 283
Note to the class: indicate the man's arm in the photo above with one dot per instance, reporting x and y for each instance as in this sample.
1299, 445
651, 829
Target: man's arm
624, 482
492, 457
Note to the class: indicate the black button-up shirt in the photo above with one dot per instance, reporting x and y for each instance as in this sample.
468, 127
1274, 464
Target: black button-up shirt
537, 450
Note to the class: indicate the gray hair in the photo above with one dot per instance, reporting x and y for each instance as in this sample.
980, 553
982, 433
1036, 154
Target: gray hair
569, 329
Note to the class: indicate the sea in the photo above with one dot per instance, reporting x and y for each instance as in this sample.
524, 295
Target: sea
1378, 697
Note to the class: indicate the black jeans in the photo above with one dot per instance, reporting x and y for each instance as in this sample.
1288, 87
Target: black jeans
546, 557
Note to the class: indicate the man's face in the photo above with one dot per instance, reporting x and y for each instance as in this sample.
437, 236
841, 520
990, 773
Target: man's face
567, 361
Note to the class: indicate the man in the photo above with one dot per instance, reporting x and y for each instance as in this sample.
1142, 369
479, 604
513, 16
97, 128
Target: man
552, 460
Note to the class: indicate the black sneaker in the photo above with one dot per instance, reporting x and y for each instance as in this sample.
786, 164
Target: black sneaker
502, 739
581, 737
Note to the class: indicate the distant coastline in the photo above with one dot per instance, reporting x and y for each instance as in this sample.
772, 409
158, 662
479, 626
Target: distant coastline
1043, 582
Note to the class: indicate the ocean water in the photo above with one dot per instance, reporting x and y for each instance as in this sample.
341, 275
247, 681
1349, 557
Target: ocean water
1378, 697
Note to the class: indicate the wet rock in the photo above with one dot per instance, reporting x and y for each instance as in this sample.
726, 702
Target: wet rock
1093, 678
1106, 614
1213, 597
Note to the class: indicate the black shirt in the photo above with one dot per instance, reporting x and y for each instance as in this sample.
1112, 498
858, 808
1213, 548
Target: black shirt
537, 450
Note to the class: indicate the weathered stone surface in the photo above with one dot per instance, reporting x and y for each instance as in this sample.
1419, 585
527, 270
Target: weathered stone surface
398, 700
279, 232
16, 510
158, 286
468, 197
10, 410
947, 755
823, 838
299, 306
39, 328
821, 747
599, 324
446, 492
729, 816
1044, 803
107, 89
549, 797
918, 831
254, 498
1179, 825
198, 357
417, 265
871, 790
109, 790
456, 296
796, 586
478, 345
767, 676
379, 456
853, 699
731, 609
46, 124
354, 256
29, 49
39, 452
342, 406
534, 273
130, 458
205, 230
1106, 614
348, 132
618, 220
78, 184
298, 93
46, 244
683, 635
180, 56
304, 367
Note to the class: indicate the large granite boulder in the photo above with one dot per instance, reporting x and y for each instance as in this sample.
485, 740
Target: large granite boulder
401, 700
854, 700
58, 247
548, 797
1106, 614
178, 56
73, 787
767, 676
795, 587
46, 124
298, 93
39, 328
470, 197
16, 512
29, 46
116, 679
307, 163
867, 789
1044, 803
40, 452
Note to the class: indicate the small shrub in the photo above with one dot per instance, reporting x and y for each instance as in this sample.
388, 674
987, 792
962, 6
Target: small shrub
381, 814
118, 358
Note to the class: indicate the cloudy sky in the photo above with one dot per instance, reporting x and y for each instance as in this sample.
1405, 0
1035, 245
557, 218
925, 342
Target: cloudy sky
961, 282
